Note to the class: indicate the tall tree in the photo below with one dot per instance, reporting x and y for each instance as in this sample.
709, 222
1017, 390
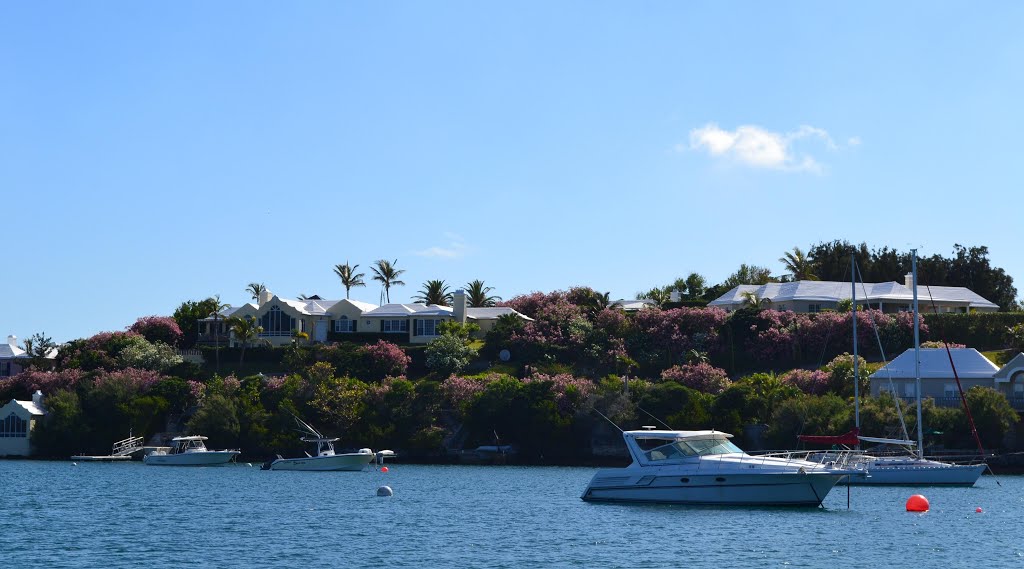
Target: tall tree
187, 315
695, 285
479, 296
797, 265
434, 292
387, 275
256, 289
349, 277
749, 274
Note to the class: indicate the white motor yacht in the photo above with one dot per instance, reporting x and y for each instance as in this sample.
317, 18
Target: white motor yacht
325, 458
189, 451
704, 467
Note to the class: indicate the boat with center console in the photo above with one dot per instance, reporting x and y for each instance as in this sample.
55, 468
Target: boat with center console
189, 451
705, 468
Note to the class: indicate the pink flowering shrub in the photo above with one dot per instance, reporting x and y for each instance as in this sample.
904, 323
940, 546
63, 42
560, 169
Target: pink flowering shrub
942, 345
386, 359
138, 380
814, 382
664, 335
460, 391
197, 390
570, 392
158, 329
24, 384
701, 376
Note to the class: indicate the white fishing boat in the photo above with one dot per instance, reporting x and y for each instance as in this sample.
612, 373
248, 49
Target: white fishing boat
189, 451
325, 458
910, 468
705, 468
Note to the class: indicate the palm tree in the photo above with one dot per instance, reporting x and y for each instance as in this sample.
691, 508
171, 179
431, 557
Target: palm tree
218, 311
349, 277
478, 295
751, 299
387, 275
246, 331
256, 289
434, 292
798, 265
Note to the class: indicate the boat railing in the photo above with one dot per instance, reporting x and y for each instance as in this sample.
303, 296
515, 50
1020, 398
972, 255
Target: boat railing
837, 459
127, 446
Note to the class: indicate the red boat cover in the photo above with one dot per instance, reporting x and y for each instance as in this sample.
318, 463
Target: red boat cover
849, 439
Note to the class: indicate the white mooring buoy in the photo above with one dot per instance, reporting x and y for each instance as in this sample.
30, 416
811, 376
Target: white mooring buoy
385, 491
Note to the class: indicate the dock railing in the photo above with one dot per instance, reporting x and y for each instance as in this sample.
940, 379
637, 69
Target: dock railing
127, 446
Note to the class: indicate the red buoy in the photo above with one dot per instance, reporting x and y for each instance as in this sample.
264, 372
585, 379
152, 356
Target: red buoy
978, 509
917, 503
383, 469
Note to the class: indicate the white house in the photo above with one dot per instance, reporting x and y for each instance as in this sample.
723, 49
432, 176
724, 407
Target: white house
420, 323
17, 421
937, 379
11, 357
815, 296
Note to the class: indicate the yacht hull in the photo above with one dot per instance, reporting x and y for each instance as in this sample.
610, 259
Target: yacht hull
723, 489
203, 458
916, 472
351, 462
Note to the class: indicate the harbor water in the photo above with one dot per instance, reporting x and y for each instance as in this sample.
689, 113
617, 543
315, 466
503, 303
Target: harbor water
59, 514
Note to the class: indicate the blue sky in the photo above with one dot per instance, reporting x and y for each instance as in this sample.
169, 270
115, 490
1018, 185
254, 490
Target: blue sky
152, 153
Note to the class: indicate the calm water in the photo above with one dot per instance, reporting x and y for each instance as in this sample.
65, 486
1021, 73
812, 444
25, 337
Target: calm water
55, 514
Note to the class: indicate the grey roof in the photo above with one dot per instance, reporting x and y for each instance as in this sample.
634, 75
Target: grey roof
970, 363
1015, 364
8, 351
401, 310
493, 313
833, 291
630, 305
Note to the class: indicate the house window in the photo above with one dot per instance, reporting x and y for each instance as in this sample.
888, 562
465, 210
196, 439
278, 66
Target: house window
813, 308
5, 369
908, 390
950, 390
428, 327
13, 426
395, 326
276, 323
343, 324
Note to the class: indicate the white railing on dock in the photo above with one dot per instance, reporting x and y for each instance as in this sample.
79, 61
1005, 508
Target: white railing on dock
127, 446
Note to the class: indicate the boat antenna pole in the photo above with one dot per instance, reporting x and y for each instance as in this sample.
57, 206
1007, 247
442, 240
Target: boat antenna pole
853, 318
594, 409
917, 355
651, 415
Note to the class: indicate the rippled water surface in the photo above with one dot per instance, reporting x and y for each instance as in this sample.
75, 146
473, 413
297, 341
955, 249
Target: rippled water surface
56, 514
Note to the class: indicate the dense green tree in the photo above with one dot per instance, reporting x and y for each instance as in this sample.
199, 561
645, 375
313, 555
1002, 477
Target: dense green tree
448, 353
188, 315
64, 431
386, 273
217, 418
695, 286
349, 277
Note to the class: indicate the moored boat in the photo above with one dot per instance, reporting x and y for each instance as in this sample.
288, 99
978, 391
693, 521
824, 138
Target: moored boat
705, 468
189, 451
325, 459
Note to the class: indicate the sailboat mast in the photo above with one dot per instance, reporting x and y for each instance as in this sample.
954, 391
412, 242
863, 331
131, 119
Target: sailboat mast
853, 318
917, 354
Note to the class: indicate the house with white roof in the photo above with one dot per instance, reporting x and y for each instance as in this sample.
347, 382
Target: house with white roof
12, 358
17, 421
633, 305
1010, 380
937, 378
420, 323
815, 296
282, 318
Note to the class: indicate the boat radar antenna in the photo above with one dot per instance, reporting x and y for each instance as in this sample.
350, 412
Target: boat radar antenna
651, 415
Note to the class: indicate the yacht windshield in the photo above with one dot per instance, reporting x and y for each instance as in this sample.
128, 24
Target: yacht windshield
712, 446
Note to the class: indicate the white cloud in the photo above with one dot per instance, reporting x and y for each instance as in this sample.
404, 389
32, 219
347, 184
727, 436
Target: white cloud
455, 248
759, 148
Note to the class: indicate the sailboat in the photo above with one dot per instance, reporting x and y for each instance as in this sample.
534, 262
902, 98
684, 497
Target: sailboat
912, 469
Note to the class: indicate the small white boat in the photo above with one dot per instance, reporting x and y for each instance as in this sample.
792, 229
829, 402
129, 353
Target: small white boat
325, 459
705, 468
189, 451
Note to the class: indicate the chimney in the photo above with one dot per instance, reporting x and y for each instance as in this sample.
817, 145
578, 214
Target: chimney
459, 308
12, 340
908, 280
673, 296
37, 399
265, 296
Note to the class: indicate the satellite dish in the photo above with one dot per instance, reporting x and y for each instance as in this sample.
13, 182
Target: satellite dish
504, 355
